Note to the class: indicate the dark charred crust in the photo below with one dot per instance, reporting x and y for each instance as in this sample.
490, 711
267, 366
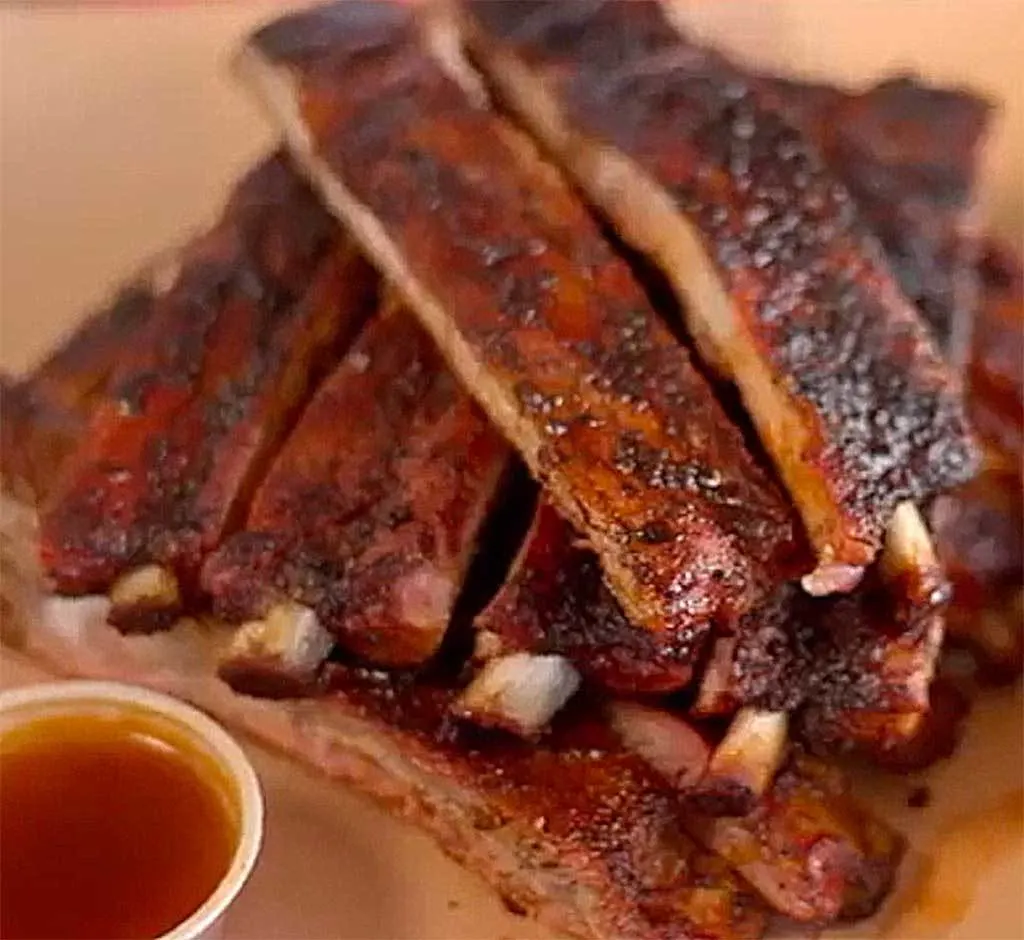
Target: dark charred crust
369, 28
908, 153
370, 513
44, 414
851, 653
555, 601
78, 368
884, 414
563, 332
172, 452
611, 822
720, 798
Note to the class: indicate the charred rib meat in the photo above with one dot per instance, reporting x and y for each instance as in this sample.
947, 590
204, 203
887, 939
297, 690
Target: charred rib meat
183, 431
555, 602
908, 154
783, 290
369, 516
536, 314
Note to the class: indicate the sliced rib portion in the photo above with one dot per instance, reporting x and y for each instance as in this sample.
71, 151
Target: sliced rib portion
783, 290
536, 314
909, 155
555, 602
811, 851
197, 404
368, 519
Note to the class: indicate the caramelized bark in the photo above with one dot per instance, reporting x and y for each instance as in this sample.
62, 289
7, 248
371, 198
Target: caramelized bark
554, 601
908, 154
370, 513
197, 403
537, 315
783, 289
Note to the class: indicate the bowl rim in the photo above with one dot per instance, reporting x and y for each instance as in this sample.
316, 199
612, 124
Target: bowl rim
222, 747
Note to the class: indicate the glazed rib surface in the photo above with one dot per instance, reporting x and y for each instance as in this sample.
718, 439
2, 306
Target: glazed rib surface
783, 290
536, 314
555, 602
196, 404
370, 513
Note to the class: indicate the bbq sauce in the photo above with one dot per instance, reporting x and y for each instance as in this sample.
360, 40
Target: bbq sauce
112, 825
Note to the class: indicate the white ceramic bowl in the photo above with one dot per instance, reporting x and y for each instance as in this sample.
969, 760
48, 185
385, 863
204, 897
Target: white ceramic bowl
21, 705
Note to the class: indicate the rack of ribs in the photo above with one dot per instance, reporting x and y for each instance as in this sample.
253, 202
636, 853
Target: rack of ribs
536, 314
784, 291
363, 530
194, 407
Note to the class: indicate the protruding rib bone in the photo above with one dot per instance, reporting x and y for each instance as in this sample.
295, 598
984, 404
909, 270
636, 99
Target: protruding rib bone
278, 656
519, 693
744, 764
145, 599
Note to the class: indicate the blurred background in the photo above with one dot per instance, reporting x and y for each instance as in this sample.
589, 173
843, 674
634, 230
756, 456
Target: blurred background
121, 127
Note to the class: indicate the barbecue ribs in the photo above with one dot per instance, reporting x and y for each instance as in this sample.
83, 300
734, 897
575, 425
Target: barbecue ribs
196, 405
536, 314
783, 290
364, 527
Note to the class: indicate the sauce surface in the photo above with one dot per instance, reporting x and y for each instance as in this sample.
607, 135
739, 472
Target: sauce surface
112, 825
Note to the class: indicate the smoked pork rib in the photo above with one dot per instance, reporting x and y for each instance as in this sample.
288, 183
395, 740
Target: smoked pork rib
369, 516
783, 290
908, 153
536, 314
554, 601
182, 433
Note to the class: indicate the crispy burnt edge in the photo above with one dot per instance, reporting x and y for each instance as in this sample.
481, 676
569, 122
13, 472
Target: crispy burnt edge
313, 72
602, 84
364, 528
189, 417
